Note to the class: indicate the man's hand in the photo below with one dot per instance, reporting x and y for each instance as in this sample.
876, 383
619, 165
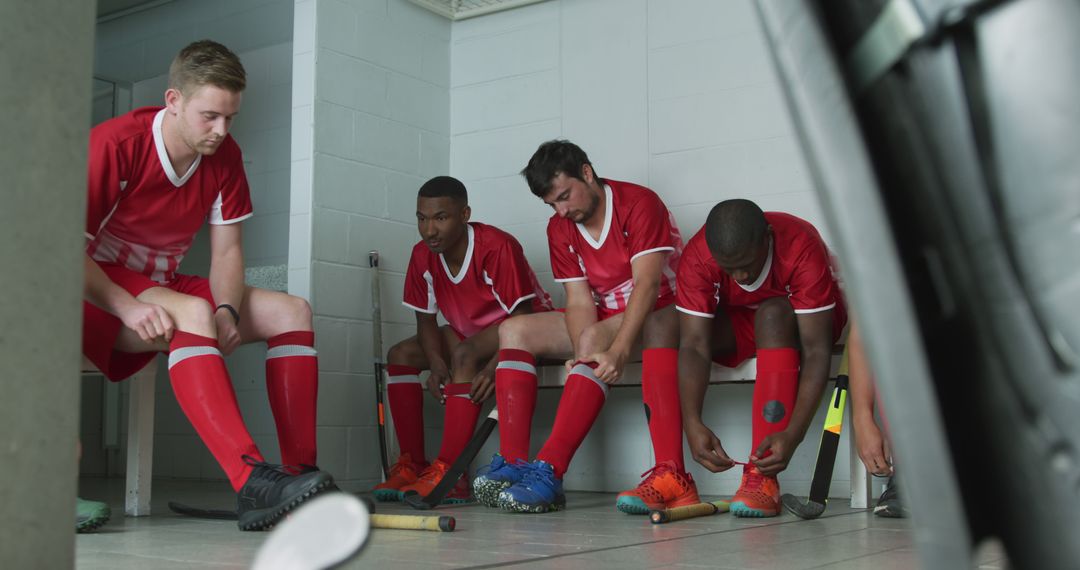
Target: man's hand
609, 364
151, 322
439, 377
774, 453
706, 449
228, 334
873, 449
483, 384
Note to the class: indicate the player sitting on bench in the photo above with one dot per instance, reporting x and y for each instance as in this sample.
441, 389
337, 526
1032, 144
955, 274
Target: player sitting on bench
476, 275
753, 282
614, 247
156, 175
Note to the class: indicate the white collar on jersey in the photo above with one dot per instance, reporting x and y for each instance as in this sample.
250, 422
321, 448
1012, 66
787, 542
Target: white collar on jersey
163, 155
764, 271
607, 222
455, 279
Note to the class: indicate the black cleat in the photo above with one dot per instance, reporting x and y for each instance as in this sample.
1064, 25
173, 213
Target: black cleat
271, 491
889, 504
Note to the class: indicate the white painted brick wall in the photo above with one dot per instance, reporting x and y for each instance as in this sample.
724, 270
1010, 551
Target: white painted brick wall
381, 127
679, 95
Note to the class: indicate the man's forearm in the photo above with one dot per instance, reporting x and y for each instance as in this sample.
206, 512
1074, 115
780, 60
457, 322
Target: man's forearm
693, 382
227, 278
641, 303
427, 332
813, 375
578, 318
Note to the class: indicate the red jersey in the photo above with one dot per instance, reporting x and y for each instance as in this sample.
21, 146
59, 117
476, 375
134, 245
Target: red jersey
636, 222
493, 280
798, 267
143, 215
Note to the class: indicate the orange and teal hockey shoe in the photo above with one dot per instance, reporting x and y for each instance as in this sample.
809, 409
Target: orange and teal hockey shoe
664, 487
404, 472
758, 495
431, 477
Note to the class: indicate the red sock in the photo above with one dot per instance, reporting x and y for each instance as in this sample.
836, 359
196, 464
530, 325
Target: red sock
205, 394
407, 408
579, 406
515, 397
461, 415
660, 390
774, 391
292, 382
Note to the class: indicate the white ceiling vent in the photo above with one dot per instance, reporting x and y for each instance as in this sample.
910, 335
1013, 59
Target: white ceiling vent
462, 9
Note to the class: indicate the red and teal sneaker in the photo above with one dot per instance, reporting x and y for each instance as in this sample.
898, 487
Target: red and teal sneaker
665, 487
404, 472
431, 477
758, 495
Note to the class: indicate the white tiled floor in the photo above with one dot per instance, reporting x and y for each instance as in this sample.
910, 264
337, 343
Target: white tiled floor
589, 535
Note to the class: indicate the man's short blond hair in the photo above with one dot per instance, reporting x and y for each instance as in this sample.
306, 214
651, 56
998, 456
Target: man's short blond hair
206, 62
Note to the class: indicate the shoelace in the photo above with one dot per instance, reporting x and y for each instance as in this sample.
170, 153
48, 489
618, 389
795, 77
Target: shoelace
655, 472
535, 473
434, 473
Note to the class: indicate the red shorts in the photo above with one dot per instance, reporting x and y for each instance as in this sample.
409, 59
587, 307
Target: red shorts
101, 329
742, 321
604, 313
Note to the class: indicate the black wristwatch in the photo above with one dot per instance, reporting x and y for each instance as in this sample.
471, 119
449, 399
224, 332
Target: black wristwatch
231, 309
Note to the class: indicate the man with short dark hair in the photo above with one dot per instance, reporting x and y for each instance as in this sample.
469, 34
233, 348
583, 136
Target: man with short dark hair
614, 247
155, 176
757, 282
477, 276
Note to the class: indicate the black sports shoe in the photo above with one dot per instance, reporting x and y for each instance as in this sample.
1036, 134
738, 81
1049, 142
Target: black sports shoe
271, 491
889, 504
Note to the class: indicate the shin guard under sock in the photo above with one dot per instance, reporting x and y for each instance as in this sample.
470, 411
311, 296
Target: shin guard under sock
205, 393
292, 382
515, 396
460, 422
579, 407
775, 389
406, 397
660, 390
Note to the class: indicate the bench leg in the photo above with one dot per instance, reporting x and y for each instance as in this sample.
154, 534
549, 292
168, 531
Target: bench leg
140, 449
860, 479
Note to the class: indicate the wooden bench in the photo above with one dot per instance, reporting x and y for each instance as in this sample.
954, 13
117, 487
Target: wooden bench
140, 437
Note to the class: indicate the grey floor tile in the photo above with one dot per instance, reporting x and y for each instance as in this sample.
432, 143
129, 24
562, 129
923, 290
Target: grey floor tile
589, 535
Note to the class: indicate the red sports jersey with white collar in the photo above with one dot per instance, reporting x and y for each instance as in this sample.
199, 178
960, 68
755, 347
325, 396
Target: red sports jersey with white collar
636, 222
143, 215
798, 267
493, 280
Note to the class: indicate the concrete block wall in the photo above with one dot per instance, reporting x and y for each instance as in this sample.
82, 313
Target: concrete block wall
679, 95
371, 123
137, 50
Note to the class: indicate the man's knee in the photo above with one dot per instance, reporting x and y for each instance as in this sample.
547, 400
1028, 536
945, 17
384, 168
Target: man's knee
513, 333
404, 353
464, 356
195, 310
775, 319
592, 339
299, 309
